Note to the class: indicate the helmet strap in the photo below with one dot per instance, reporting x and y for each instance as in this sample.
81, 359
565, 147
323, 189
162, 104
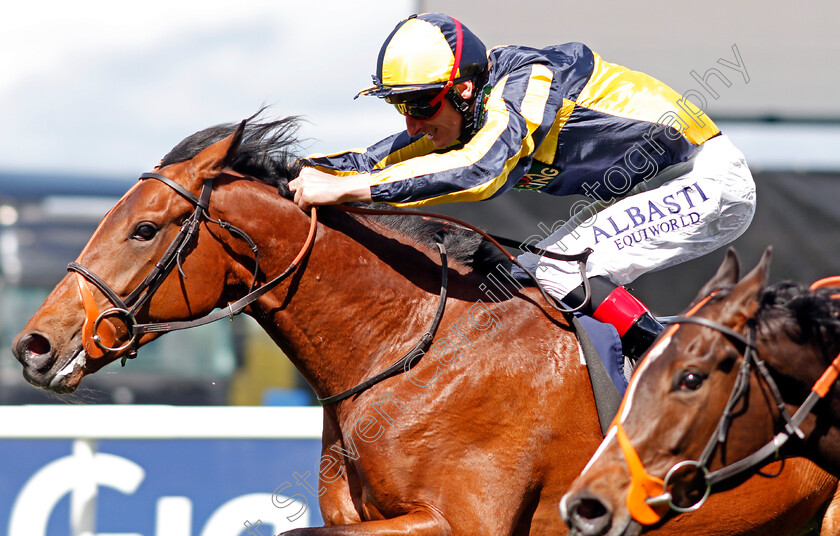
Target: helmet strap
463, 106
471, 109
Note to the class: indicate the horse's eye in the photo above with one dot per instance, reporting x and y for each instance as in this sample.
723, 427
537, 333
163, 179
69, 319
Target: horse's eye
690, 380
144, 231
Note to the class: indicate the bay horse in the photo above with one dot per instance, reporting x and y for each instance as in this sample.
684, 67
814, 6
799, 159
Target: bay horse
479, 436
746, 376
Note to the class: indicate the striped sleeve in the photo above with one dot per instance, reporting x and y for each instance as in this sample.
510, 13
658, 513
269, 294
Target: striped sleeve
493, 159
393, 149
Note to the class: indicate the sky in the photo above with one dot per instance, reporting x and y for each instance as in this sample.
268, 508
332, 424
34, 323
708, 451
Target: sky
107, 88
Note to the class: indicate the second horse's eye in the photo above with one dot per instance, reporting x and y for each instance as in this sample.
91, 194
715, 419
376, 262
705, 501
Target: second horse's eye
690, 380
144, 231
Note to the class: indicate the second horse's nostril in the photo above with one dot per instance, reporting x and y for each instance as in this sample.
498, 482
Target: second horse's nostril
589, 516
591, 509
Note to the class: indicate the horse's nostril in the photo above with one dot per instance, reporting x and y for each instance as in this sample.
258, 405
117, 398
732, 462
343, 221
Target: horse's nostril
35, 351
589, 516
591, 509
38, 344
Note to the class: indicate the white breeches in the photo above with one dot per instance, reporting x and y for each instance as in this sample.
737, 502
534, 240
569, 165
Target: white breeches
684, 212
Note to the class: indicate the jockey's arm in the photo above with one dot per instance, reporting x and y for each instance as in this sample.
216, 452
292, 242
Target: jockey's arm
406, 170
314, 187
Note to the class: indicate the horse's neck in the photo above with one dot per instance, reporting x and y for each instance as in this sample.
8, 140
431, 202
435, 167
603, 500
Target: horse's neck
348, 311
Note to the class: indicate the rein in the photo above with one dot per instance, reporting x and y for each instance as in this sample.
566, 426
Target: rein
97, 345
127, 308
499, 242
408, 360
651, 491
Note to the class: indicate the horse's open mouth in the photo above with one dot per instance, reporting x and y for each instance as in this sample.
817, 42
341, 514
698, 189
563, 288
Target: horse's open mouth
68, 378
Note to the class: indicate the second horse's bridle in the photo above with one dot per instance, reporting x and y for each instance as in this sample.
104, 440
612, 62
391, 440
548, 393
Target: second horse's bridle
771, 451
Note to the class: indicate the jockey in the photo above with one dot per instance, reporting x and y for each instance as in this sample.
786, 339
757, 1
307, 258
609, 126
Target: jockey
665, 185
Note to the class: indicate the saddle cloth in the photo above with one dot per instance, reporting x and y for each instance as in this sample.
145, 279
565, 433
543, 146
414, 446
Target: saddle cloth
607, 344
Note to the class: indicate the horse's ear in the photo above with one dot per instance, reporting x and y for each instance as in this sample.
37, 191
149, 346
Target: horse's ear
219, 155
746, 294
235, 142
726, 276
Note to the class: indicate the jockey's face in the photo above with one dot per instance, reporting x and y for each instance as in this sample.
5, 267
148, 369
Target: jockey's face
445, 127
442, 129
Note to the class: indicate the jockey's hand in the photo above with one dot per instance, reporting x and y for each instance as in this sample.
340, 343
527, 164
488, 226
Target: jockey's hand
313, 187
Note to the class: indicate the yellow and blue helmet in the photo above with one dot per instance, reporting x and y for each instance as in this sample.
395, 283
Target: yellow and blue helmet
424, 53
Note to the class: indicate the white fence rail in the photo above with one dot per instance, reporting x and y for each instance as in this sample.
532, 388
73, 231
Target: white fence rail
159, 422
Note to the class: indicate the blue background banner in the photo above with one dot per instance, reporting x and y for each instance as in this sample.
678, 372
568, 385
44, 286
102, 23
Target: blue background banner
162, 487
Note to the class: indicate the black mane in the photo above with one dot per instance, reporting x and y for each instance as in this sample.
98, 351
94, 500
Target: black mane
806, 316
268, 152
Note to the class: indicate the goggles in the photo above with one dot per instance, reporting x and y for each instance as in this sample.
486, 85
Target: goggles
420, 105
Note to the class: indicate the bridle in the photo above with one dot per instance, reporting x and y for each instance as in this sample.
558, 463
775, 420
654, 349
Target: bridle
97, 344
649, 492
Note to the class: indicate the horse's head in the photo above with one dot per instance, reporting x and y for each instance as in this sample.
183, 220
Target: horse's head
155, 257
672, 409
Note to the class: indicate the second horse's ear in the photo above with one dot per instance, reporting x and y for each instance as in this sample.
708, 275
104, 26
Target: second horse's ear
745, 297
216, 157
726, 276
